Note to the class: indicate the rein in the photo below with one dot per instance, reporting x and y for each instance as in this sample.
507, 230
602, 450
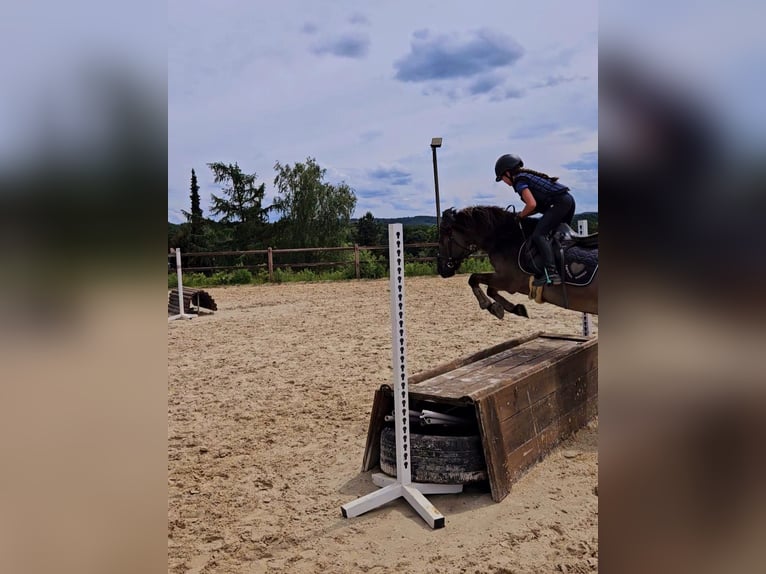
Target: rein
512, 209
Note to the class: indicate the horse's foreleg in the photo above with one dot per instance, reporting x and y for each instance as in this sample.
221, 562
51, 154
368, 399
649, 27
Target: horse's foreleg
485, 302
516, 309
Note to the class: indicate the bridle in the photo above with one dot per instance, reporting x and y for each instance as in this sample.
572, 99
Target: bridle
467, 250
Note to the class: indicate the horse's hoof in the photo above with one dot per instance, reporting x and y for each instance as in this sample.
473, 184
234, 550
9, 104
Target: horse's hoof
521, 311
497, 310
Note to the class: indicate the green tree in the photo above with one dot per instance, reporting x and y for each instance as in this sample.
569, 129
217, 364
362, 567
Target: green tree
421, 234
241, 204
368, 231
194, 218
314, 213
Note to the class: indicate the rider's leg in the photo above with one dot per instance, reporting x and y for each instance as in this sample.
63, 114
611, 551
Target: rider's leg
562, 209
549, 275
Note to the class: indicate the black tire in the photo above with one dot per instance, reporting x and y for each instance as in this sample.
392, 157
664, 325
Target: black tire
437, 459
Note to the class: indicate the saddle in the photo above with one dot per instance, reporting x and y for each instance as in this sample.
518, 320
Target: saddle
580, 254
567, 236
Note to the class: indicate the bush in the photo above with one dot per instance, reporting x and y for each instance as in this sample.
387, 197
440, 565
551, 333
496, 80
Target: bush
371, 266
189, 280
261, 276
238, 277
241, 277
476, 265
419, 268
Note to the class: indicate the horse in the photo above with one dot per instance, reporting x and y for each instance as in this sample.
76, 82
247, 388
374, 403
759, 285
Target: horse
502, 236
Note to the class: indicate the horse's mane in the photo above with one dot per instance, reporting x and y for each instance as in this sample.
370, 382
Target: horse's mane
493, 220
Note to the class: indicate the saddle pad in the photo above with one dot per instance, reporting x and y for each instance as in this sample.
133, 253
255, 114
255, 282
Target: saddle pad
580, 266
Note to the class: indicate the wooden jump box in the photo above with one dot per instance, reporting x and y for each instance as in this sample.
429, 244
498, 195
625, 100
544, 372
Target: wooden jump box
527, 394
193, 300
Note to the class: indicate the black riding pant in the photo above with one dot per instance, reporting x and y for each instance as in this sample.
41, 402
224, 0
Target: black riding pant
561, 210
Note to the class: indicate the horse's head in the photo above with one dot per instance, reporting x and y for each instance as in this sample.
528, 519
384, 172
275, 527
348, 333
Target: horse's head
454, 244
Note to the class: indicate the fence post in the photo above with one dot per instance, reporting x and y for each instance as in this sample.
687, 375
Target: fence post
582, 229
271, 265
356, 260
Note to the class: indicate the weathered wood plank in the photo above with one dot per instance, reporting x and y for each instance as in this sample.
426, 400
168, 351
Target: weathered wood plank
562, 362
531, 386
534, 450
382, 404
506, 468
472, 358
527, 423
471, 380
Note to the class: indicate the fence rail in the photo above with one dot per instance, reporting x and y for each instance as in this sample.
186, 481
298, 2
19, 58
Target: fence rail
272, 254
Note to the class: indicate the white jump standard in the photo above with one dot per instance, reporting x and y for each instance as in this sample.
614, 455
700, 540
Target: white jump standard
402, 485
181, 313
582, 229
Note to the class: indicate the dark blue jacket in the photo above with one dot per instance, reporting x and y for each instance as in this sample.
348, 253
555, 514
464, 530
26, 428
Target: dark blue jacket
543, 190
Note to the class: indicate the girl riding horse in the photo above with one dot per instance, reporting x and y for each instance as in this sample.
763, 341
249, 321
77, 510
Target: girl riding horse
540, 193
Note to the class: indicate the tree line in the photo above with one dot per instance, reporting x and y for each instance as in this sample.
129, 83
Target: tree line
310, 213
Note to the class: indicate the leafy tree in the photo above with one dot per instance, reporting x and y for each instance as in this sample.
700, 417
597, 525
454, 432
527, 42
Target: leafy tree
421, 234
314, 213
240, 205
368, 231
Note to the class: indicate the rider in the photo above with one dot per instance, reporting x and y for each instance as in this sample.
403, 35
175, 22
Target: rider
541, 193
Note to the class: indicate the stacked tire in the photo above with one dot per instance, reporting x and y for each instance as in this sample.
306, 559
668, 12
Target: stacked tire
437, 459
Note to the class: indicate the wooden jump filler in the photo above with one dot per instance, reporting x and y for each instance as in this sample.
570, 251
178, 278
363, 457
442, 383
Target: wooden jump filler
526, 395
402, 485
181, 313
182, 301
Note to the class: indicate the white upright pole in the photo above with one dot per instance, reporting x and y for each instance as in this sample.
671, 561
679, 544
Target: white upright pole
402, 486
182, 312
582, 229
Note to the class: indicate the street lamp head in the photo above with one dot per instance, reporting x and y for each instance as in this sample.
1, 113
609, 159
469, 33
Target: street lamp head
436, 142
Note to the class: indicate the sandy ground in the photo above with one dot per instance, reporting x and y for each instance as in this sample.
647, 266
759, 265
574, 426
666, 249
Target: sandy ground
268, 406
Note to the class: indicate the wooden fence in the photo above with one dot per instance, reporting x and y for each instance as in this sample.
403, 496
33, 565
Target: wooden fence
210, 265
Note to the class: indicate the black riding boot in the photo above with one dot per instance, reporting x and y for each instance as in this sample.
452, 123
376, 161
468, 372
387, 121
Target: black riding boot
549, 276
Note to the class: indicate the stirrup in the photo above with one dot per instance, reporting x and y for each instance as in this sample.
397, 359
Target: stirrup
539, 281
552, 278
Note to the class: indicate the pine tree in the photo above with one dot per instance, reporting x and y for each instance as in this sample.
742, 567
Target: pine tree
194, 218
240, 204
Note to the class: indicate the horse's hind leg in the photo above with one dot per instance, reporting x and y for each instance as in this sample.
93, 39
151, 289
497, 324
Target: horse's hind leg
485, 302
516, 309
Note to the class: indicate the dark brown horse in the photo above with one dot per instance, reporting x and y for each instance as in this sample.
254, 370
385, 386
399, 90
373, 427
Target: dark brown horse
502, 235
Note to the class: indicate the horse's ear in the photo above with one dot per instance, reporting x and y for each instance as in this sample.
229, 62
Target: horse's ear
448, 217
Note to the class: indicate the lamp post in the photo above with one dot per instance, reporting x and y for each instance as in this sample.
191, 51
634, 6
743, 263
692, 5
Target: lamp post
436, 142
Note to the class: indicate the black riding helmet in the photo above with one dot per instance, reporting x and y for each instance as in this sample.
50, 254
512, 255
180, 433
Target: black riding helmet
507, 162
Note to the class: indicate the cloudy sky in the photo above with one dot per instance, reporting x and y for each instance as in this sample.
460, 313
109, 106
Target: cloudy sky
363, 87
